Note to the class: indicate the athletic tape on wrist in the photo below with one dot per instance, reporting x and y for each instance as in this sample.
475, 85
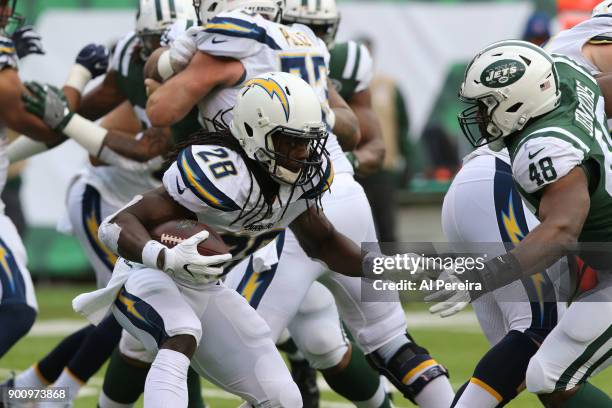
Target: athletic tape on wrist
164, 66
150, 253
78, 77
86, 133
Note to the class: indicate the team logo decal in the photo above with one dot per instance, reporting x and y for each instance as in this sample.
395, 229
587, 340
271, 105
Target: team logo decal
272, 88
502, 73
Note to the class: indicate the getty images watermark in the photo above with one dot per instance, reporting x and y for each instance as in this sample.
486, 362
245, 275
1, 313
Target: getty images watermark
413, 271
419, 266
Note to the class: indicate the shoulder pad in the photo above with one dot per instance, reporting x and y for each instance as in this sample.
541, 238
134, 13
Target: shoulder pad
235, 34
8, 55
546, 156
123, 52
320, 184
213, 175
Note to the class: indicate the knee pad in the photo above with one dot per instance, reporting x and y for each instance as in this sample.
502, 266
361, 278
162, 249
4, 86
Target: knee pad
503, 367
410, 361
536, 378
321, 349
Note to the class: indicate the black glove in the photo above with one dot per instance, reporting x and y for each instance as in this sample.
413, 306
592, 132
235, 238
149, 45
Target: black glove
27, 41
94, 58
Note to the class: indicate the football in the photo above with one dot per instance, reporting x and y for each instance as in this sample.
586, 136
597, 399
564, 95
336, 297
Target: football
171, 233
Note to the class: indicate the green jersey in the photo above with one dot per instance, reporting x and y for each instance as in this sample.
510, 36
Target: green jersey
574, 134
129, 67
351, 68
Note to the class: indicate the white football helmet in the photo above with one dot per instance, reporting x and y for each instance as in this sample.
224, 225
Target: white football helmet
207, 9
154, 17
605, 7
507, 84
320, 15
277, 107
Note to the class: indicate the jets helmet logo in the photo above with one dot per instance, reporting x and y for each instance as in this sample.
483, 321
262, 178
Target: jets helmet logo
272, 88
502, 73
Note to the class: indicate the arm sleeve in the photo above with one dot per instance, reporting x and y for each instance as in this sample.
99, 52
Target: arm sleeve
234, 34
206, 178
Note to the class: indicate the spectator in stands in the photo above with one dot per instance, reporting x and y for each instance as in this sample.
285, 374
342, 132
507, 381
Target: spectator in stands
537, 29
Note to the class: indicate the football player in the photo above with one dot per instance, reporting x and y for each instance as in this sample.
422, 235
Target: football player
548, 111
125, 153
233, 46
253, 179
17, 301
484, 172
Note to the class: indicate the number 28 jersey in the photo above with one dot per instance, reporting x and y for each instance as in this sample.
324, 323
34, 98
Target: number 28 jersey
215, 183
573, 134
264, 46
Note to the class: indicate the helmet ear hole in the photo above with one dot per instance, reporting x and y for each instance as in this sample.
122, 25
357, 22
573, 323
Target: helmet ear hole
287, 90
514, 108
248, 129
527, 60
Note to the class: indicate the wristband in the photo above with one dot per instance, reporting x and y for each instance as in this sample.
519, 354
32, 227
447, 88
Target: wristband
499, 272
78, 77
164, 66
86, 133
150, 253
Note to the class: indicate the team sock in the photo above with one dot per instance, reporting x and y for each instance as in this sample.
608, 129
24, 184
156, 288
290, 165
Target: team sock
359, 383
123, 382
52, 365
69, 381
95, 349
166, 384
31, 378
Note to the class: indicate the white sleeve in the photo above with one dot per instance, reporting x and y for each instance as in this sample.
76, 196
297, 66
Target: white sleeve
233, 34
121, 53
365, 71
545, 159
206, 178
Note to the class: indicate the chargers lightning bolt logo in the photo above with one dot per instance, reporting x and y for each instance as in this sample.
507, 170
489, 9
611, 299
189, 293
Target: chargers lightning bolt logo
272, 88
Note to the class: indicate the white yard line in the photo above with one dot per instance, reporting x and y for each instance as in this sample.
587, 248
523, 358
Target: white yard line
463, 322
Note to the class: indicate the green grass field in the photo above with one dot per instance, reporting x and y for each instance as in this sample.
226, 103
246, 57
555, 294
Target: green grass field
458, 346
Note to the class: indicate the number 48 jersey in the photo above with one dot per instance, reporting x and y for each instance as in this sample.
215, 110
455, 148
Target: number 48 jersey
574, 134
264, 46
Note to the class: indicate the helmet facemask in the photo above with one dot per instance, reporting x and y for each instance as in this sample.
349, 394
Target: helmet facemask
9, 19
277, 159
476, 121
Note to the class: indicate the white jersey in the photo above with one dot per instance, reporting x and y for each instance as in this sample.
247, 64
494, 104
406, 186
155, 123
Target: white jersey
264, 46
8, 59
215, 183
118, 186
596, 30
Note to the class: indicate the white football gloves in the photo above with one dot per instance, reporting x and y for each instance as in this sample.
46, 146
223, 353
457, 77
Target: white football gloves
183, 48
185, 263
449, 302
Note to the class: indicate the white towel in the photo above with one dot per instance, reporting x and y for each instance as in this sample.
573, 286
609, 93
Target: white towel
94, 306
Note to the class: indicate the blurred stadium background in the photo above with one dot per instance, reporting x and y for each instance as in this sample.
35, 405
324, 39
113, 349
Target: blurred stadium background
420, 48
